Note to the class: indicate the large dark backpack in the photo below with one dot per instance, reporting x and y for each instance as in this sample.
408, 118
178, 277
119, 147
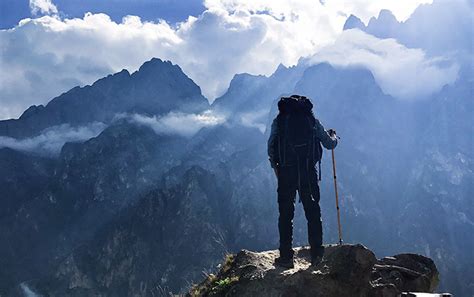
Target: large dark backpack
296, 131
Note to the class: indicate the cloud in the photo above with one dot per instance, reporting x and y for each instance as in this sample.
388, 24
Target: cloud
43, 7
46, 56
184, 124
401, 72
366, 9
51, 140
255, 119
27, 291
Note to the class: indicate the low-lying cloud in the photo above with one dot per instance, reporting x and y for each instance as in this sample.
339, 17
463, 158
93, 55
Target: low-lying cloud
51, 140
184, 124
27, 291
46, 56
402, 72
255, 119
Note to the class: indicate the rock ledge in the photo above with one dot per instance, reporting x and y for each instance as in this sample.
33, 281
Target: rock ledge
347, 270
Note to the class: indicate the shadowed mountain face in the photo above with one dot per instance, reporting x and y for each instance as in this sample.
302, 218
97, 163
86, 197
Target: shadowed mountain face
23, 176
91, 183
169, 237
141, 211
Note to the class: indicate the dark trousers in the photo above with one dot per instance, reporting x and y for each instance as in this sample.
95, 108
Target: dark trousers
302, 178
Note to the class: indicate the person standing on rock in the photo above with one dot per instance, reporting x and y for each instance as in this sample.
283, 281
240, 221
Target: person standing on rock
294, 148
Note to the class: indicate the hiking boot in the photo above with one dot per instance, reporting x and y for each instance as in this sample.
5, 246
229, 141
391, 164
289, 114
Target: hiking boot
317, 255
285, 262
315, 260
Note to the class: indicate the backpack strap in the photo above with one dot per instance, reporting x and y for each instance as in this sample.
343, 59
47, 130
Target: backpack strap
282, 137
313, 144
319, 171
285, 139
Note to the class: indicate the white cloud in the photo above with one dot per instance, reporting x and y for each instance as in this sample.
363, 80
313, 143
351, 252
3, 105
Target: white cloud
401, 72
42, 57
364, 9
51, 140
184, 124
43, 7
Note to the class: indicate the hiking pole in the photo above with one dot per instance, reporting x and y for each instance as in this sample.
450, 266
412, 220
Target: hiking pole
337, 197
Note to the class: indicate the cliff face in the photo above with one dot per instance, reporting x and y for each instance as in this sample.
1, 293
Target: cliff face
347, 270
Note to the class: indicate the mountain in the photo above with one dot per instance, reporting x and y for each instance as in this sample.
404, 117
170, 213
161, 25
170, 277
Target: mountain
57, 203
156, 88
249, 97
22, 175
353, 22
346, 270
90, 184
440, 28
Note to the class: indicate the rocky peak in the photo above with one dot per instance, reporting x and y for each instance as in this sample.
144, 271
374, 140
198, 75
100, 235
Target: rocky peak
385, 18
353, 22
30, 111
158, 64
110, 80
384, 25
347, 270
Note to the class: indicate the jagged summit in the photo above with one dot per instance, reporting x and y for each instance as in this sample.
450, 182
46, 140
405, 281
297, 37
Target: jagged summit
386, 15
384, 25
347, 270
156, 63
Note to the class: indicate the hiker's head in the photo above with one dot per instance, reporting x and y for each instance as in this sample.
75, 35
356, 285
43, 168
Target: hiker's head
295, 104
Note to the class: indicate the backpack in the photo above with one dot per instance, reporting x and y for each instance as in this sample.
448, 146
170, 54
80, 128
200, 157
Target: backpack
296, 132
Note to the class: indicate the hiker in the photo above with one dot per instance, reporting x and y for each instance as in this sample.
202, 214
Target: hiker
294, 148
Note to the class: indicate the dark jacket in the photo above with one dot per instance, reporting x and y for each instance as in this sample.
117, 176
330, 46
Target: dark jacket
319, 133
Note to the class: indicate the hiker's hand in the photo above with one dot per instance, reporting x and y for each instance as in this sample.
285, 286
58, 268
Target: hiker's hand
332, 132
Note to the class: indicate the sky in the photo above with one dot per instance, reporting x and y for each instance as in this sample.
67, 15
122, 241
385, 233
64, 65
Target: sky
12, 11
50, 46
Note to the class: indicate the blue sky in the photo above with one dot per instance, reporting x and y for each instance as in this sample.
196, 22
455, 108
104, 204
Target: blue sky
12, 11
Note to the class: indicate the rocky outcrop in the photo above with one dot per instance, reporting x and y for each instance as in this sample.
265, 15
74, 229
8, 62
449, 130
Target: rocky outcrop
347, 270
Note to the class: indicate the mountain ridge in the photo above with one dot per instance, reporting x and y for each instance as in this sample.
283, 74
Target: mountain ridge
156, 88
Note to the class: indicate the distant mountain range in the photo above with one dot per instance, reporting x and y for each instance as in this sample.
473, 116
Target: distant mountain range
142, 208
